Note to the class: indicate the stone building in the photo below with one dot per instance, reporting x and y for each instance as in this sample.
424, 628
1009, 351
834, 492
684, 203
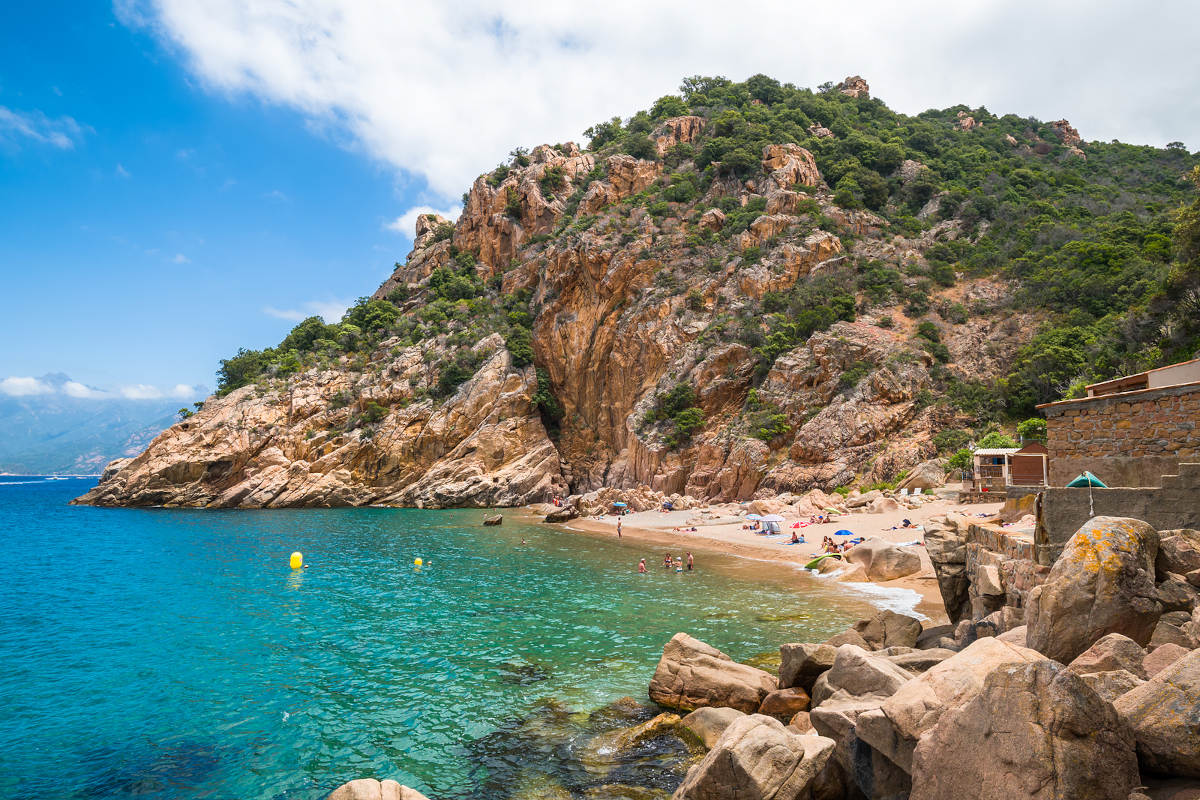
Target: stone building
1130, 431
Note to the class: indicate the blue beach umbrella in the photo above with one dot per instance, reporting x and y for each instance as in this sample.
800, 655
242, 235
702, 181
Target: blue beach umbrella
843, 532
619, 504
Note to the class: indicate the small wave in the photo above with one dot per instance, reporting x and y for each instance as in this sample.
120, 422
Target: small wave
24, 483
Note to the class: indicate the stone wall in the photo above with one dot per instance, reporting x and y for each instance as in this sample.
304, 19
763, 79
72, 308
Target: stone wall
1129, 439
1063, 511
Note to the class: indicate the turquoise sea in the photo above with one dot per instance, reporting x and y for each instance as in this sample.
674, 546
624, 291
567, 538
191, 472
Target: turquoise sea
173, 654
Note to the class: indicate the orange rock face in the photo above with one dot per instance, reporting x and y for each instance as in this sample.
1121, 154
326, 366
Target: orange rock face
627, 299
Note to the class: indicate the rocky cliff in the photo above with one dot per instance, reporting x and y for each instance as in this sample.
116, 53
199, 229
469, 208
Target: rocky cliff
638, 313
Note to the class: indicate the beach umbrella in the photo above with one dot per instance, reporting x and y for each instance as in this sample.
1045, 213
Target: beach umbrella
619, 504
772, 518
843, 532
753, 516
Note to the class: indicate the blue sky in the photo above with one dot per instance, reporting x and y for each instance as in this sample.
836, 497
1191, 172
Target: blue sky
158, 241
179, 178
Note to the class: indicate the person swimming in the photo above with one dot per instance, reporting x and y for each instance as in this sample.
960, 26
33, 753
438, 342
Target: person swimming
642, 567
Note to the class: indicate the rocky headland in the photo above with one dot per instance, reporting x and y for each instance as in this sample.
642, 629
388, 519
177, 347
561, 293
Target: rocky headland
701, 303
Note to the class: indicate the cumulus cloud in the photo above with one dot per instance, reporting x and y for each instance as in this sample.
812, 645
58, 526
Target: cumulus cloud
82, 391
61, 132
24, 386
329, 310
58, 383
180, 258
443, 91
406, 223
141, 391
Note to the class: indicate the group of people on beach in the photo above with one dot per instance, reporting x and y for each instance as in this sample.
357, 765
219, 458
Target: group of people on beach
670, 561
828, 545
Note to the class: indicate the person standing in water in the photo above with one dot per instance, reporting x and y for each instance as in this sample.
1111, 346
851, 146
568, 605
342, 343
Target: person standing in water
642, 567
689, 562
618, 527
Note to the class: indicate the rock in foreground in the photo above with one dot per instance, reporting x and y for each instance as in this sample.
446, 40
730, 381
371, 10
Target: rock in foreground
371, 789
1035, 731
1102, 583
691, 674
1164, 713
757, 758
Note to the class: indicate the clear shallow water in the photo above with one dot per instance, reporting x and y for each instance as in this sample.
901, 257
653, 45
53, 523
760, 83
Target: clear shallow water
173, 654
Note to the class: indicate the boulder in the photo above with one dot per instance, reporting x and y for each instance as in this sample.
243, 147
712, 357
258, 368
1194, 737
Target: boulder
494, 519
889, 629
757, 758
1033, 731
932, 636
1102, 583
858, 673
1162, 657
895, 727
801, 664
371, 789
848, 637
784, 704
884, 561
926, 475
947, 549
1015, 636
564, 514
708, 723
919, 661
801, 722
1178, 552
863, 499
691, 674
1175, 627
1164, 713
1113, 684
883, 505
1177, 594
1113, 652
875, 776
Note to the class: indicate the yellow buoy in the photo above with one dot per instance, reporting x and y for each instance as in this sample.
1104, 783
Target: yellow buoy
418, 562
297, 560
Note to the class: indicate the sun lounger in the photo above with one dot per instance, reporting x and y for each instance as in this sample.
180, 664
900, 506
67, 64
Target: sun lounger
917, 490
904, 492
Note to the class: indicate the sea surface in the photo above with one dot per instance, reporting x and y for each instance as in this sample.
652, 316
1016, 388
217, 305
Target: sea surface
174, 654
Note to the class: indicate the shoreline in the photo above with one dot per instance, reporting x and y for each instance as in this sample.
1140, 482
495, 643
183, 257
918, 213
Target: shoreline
722, 534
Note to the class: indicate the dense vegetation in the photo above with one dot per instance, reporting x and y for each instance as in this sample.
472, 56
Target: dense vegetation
1098, 246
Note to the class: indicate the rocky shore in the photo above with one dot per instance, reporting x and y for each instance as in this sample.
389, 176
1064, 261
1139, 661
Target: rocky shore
1081, 680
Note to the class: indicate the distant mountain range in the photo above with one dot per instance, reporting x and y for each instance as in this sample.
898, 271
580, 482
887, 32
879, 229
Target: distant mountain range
56, 434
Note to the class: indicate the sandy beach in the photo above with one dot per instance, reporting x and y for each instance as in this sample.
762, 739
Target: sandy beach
719, 529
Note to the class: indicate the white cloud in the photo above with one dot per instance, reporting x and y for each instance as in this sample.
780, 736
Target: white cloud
180, 258
23, 387
443, 90
63, 132
141, 391
122, 172
329, 310
53, 384
406, 223
277, 196
81, 391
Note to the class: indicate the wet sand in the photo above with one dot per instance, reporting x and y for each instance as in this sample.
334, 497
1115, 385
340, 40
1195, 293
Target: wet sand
726, 535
